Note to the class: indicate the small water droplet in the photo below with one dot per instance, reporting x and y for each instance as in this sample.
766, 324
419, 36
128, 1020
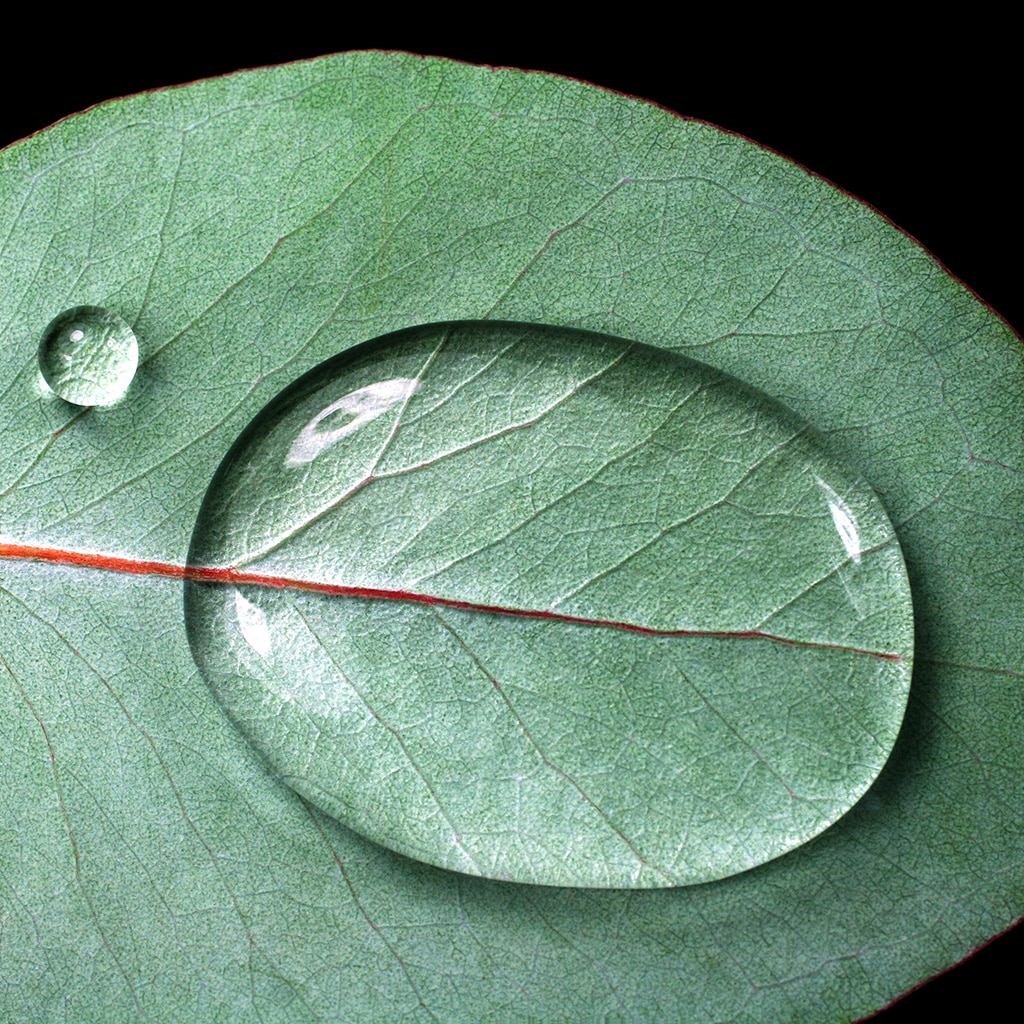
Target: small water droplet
551, 606
88, 356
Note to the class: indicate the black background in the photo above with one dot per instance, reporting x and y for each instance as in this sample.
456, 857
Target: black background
921, 126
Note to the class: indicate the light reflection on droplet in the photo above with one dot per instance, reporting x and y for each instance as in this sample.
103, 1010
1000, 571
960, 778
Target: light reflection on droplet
253, 625
364, 404
845, 523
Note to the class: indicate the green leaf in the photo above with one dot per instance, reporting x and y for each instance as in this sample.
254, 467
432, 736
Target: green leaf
647, 632
248, 228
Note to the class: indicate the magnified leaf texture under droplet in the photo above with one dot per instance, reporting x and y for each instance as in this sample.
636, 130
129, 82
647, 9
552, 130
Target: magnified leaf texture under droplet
549, 606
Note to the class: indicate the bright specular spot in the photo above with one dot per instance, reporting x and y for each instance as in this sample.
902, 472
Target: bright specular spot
845, 523
252, 624
364, 405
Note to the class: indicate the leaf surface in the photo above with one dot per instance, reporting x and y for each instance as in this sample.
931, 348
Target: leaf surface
248, 228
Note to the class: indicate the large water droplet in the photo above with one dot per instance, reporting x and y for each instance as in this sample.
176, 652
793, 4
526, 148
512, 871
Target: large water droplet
88, 355
550, 606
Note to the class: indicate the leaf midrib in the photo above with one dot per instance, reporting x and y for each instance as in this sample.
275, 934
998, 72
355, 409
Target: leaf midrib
235, 577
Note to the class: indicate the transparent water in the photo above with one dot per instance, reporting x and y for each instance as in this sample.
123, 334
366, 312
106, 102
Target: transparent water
88, 356
549, 606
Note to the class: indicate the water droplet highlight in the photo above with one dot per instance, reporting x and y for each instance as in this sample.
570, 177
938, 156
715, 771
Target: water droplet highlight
363, 405
550, 606
252, 624
88, 356
844, 520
